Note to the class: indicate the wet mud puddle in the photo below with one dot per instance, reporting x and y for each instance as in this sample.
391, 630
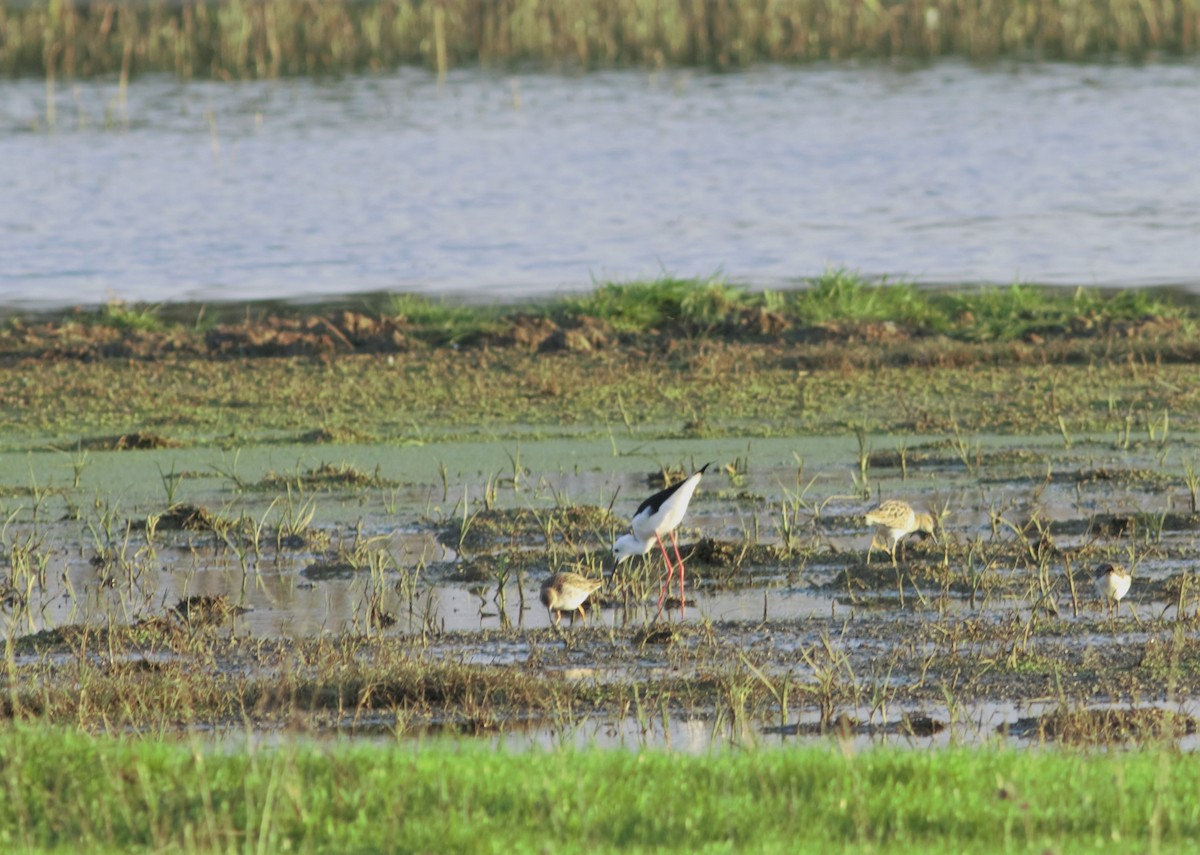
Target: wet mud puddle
432, 559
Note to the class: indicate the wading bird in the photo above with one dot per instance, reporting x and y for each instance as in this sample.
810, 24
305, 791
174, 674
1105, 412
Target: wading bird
659, 515
566, 592
899, 520
1112, 584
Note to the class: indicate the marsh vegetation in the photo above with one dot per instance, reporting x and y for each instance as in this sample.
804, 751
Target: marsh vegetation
358, 546
279, 531
279, 37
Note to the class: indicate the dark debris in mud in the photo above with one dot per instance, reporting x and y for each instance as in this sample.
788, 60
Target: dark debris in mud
326, 476
186, 517
326, 569
136, 441
844, 726
731, 555
669, 475
207, 609
1103, 726
333, 435
487, 567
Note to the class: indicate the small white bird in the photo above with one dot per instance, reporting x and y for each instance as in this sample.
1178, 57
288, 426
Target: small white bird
1112, 584
900, 520
659, 515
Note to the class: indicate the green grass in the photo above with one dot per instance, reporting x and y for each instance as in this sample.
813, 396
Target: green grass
1004, 314
994, 313
842, 297
124, 316
441, 321
629, 307
64, 789
227, 39
712, 306
737, 361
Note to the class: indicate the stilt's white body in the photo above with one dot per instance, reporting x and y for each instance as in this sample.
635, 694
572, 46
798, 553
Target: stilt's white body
657, 516
1112, 583
649, 522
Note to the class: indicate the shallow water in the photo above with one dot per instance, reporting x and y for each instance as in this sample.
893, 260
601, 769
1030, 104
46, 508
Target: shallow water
496, 186
287, 594
782, 615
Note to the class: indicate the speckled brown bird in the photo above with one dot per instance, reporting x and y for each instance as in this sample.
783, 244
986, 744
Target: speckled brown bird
566, 592
899, 520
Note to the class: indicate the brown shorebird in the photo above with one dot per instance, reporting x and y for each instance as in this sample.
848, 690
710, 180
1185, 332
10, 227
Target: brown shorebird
566, 592
900, 520
1112, 584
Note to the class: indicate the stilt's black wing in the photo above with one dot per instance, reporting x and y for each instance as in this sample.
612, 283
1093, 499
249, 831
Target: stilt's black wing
656, 501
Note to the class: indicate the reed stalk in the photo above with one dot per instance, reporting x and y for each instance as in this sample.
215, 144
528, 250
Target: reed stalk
227, 39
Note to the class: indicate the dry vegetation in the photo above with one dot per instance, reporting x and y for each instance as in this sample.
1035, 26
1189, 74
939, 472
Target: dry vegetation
280, 37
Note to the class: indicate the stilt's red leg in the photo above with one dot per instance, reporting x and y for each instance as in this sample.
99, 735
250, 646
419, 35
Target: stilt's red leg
670, 572
679, 563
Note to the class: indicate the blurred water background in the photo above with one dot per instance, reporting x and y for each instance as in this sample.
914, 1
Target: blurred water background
489, 185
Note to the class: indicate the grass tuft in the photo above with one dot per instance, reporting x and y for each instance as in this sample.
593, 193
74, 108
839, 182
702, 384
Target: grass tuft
840, 296
440, 321
641, 306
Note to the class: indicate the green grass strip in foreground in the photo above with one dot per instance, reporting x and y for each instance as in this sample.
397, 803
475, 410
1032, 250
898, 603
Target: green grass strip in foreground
63, 789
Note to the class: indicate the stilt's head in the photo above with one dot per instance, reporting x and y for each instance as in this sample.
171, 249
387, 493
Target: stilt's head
628, 546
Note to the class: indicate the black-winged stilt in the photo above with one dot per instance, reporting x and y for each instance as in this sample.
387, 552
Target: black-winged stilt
1112, 584
659, 515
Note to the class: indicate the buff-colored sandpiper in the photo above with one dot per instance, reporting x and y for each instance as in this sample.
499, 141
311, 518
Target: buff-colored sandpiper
566, 592
899, 520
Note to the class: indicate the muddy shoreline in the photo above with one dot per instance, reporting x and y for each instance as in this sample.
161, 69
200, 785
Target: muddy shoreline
338, 523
